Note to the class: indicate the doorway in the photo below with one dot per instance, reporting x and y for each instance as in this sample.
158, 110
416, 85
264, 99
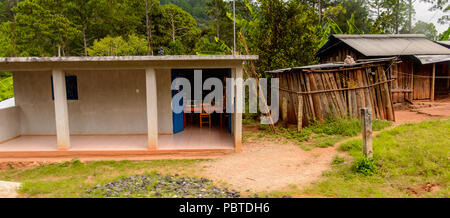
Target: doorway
195, 116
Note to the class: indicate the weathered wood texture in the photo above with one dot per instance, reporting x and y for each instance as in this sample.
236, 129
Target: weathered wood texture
339, 53
339, 93
402, 87
413, 80
366, 118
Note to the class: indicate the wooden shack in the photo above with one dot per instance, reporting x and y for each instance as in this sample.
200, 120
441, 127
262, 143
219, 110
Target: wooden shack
324, 91
422, 74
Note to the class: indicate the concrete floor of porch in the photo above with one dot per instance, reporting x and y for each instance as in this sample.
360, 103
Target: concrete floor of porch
193, 138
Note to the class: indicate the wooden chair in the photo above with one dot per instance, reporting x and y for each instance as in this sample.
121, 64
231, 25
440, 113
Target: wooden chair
204, 115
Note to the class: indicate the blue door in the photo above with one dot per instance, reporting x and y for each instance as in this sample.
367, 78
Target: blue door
178, 119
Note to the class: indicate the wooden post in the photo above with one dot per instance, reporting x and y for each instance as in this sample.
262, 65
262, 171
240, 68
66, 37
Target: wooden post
433, 82
300, 113
366, 117
284, 109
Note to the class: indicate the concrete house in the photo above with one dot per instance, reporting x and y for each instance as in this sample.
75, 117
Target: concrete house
73, 105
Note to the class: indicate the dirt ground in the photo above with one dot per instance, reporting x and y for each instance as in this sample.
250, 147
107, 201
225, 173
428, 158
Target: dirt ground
267, 166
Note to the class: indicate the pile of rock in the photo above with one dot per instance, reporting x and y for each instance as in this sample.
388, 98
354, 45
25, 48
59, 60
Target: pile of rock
160, 186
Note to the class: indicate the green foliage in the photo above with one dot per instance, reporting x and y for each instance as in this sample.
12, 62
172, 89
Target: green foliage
197, 8
337, 160
347, 126
445, 35
428, 29
71, 178
405, 157
117, 46
180, 30
6, 88
365, 166
327, 133
286, 38
207, 47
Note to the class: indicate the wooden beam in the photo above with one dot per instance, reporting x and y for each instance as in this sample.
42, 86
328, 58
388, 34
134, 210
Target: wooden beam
433, 82
366, 117
300, 113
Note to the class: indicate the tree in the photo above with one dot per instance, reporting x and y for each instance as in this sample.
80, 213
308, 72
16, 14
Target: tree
392, 16
440, 5
180, 27
283, 36
341, 13
148, 25
117, 46
44, 28
428, 29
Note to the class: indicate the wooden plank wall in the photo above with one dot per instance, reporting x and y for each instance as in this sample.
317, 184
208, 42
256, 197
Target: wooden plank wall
422, 82
337, 93
402, 87
443, 79
339, 53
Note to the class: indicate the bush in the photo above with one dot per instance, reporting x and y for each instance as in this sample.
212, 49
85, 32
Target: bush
366, 166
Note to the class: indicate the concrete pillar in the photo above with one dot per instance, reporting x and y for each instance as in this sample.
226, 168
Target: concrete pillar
61, 111
152, 109
239, 102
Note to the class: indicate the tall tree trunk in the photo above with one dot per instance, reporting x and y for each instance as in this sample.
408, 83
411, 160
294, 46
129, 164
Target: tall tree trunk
84, 42
173, 28
397, 11
217, 20
410, 16
148, 25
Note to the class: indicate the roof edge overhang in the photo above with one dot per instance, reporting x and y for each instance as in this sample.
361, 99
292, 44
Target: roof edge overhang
122, 62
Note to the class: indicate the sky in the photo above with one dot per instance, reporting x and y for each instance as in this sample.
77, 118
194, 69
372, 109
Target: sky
423, 14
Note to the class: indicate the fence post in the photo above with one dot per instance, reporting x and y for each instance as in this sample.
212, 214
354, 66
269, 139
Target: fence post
284, 109
300, 113
366, 118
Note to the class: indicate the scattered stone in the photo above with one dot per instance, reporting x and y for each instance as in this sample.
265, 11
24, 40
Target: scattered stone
160, 186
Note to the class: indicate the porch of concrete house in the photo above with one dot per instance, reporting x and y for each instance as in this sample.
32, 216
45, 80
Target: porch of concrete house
115, 110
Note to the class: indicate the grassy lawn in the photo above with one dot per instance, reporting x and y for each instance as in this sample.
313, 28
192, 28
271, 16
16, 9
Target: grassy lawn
411, 160
6, 88
319, 135
71, 179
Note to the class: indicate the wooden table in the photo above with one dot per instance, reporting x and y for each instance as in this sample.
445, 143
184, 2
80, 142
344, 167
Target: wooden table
199, 109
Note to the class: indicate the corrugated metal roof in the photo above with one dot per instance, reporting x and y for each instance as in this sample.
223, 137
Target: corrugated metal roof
333, 65
431, 59
375, 45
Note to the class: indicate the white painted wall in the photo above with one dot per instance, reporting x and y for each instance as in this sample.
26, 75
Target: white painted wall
10, 123
110, 102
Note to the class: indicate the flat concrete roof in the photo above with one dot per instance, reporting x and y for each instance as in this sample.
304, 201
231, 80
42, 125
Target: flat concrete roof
122, 62
130, 58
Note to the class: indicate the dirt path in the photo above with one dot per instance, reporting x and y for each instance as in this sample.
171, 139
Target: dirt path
266, 165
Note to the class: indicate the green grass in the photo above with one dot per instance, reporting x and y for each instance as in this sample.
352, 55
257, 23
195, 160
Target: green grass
6, 88
70, 179
407, 158
323, 134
